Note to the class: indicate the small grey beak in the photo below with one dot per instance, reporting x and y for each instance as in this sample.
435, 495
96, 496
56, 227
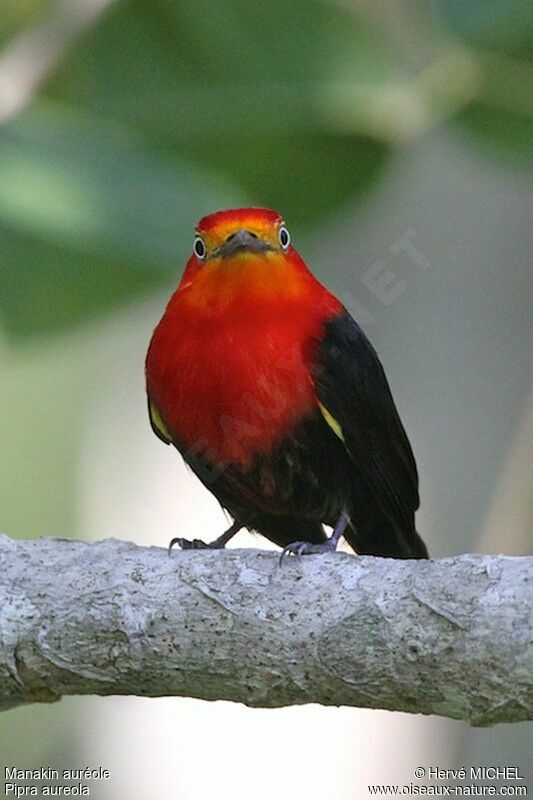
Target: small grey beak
243, 240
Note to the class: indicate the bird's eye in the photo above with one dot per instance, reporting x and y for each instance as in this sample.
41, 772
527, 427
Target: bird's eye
284, 237
199, 248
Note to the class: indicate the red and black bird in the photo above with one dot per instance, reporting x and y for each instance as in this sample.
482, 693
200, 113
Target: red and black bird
276, 399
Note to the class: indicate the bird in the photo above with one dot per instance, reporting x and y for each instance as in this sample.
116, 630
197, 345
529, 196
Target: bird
274, 397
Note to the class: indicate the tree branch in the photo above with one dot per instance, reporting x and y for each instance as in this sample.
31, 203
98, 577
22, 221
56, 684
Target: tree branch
449, 637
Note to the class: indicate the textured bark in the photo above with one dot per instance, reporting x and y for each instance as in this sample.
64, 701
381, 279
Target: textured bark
449, 637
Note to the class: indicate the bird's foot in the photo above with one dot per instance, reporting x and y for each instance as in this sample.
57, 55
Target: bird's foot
194, 544
198, 544
329, 546
307, 548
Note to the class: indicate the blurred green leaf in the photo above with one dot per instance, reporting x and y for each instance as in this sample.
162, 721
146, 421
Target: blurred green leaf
88, 218
304, 177
17, 15
75, 181
503, 26
508, 135
161, 62
501, 33
167, 110
502, 116
164, 112
46, 287
241, 88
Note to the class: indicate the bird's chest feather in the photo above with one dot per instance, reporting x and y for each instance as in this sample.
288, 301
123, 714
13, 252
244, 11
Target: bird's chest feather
231, 390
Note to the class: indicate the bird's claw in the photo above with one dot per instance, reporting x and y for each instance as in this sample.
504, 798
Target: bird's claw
188, 544
306, 548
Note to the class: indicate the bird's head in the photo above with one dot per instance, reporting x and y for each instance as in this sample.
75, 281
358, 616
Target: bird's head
241, 254
239, 233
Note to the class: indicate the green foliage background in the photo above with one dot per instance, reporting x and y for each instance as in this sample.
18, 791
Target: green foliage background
164, 109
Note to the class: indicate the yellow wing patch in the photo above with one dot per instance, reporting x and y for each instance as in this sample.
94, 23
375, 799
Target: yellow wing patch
332, 422
158, 426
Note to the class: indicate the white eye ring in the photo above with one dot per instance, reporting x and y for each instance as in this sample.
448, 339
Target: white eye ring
284, 237
199, 248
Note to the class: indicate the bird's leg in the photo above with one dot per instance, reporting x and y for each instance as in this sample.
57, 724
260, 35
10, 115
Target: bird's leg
197, 544
329, 546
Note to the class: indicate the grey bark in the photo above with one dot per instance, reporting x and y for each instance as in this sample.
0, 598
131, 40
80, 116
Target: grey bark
451, 637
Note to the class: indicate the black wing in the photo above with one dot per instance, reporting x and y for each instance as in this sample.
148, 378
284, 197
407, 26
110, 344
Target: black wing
357, 402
